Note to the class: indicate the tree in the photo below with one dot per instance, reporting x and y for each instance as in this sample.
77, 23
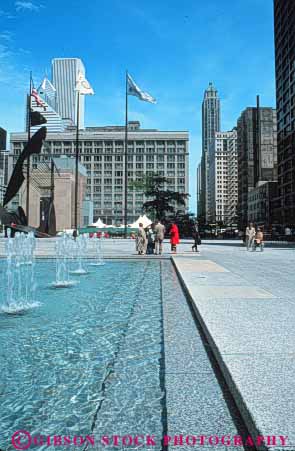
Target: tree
160, 199
186, 223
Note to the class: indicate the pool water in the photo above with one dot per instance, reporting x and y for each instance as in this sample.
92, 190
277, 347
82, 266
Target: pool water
88, 359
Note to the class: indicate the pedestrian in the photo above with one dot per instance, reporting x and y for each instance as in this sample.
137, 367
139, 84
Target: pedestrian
174, 237
258, 240
159, 237
141, 240
288, 233
151, 240
196, 236
250, 236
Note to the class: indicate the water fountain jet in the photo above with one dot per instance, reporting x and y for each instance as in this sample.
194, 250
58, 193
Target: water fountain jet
20, 273
63, 251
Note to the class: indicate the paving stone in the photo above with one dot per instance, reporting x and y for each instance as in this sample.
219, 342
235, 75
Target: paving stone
196, 407
266, 383
201, 266
196, 404
251, 323
227, 292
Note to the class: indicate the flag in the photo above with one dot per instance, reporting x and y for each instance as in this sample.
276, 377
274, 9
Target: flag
37, 118
82, 85
134, 90
38, 99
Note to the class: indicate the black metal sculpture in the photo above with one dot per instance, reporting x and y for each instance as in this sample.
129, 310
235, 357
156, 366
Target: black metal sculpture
17, 220
34, 146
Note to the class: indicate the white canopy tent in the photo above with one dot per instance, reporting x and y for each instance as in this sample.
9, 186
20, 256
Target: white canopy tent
144, 220
99, 224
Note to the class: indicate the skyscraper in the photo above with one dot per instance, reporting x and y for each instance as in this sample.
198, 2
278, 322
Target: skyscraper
64, 76
257, 154
210, 125
198, 186
3, 137
223, 177
284, 19
48, 92
54, 122
3, 163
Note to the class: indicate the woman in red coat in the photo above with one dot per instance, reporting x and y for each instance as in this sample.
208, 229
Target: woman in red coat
174, 237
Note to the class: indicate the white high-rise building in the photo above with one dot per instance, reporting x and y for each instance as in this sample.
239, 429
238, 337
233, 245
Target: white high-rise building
64, 76
48, 92
232, 178
223, 177
54, 122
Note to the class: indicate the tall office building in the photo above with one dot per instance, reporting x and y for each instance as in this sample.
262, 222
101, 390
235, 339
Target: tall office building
48, 92
210, 125
223, 177
102, 154
3, 163
284, 19
198, 186
257, 154
3, 138
232, 179
64, 76
54, 123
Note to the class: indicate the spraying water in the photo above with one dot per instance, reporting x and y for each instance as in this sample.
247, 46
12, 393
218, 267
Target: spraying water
98, 246
63, 253
20, 273
79, 254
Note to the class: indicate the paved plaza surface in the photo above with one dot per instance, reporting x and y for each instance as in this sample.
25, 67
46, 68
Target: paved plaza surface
245, 304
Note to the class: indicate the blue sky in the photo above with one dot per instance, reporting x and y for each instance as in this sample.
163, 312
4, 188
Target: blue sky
171, 48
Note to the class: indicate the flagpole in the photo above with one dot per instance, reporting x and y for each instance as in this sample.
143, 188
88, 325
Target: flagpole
77, 166
126, 156
28, 159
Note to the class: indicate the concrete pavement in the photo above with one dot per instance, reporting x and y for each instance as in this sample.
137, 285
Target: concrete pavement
246, 306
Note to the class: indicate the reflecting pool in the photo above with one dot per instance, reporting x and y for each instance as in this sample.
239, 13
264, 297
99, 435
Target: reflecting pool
87, 359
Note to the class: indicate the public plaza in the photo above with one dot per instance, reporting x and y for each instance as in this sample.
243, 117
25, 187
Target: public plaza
228, 334
147, 226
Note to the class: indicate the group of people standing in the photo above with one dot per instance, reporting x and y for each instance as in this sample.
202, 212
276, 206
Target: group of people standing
150, 240
254, 238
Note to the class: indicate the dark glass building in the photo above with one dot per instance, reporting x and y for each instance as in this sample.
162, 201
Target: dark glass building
284, 22
3, 138
257, 155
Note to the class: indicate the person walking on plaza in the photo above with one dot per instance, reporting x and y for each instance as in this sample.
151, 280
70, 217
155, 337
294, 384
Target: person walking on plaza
288, 233
250, 236
150, 239
159, 237
141, 240
174, 237
258, 240
196, 236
